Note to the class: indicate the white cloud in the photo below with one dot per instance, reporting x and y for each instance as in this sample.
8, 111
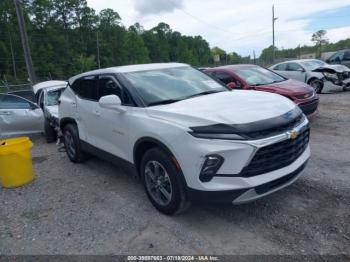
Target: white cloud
241, 26
146, 7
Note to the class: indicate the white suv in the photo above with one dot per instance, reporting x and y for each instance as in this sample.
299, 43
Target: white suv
188, 136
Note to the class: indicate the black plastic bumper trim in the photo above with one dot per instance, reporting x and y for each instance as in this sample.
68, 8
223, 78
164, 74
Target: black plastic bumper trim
228, 196
309, 107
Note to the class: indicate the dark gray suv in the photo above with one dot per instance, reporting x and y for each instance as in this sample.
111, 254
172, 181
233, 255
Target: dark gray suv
340, 57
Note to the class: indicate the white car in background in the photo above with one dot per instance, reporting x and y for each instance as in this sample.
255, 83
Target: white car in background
189, 137
48, 94
314, 72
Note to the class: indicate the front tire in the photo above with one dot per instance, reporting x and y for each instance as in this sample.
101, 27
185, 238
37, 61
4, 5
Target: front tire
317, 84
72, 144
49, 131
163, 183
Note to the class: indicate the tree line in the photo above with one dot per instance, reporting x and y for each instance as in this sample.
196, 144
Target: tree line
322, 44
68, 37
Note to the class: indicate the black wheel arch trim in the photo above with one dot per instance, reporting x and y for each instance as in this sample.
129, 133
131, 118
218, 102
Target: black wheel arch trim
67, 120
137, 159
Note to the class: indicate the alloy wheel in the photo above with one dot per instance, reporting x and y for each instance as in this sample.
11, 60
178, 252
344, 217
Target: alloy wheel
69, 144
158, 183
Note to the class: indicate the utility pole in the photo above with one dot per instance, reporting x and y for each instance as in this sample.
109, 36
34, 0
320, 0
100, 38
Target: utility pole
13, 57
25, 42
273, 32
98, 50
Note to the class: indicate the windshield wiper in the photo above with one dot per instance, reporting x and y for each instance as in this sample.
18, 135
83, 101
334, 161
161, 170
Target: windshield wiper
204, 93
164, 102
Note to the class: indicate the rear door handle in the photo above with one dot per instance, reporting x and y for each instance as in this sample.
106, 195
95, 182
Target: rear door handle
97, 113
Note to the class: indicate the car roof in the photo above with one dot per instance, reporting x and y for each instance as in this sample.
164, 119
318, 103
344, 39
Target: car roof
299, 60
237, 66
128, 69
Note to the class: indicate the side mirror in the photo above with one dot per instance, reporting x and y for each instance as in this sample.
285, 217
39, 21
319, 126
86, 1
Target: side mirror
232, 85
337, 60
111, 102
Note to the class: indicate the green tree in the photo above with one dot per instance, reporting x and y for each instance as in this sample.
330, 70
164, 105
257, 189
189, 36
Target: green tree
320, 39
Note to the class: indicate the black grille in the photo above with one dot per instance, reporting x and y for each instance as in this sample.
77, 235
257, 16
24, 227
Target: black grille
277, 155
277, 130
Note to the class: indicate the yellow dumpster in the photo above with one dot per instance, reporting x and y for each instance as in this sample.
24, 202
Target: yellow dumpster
16, 167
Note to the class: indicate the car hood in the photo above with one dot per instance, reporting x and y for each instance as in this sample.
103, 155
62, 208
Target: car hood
52, 110
50, 83
290, 86
336, 68
234, 107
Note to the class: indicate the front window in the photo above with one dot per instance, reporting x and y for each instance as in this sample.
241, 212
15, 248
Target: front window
169, 85
312, 64
256, 76
53, 96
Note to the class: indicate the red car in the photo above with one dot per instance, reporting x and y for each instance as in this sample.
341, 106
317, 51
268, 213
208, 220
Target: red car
253, 77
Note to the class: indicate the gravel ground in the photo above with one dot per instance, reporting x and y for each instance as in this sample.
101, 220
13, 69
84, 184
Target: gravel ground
97, 208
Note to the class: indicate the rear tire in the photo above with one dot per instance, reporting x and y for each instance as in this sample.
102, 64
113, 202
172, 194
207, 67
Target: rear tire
72, 144
317, 85
166, 191
50, 133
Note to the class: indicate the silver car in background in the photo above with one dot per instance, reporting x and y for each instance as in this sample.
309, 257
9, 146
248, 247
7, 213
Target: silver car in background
19, 116
314, 72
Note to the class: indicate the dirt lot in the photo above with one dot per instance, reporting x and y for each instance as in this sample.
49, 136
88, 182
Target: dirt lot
96, 208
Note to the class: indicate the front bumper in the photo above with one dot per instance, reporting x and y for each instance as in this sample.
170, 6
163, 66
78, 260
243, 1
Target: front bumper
309, 107
241, 196
191, 153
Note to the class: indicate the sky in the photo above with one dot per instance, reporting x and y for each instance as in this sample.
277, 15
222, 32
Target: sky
239, 25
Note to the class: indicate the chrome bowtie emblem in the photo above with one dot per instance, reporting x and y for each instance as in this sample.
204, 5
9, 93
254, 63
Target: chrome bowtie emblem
293, 134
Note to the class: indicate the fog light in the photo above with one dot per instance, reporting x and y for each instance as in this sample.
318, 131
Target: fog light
211, 165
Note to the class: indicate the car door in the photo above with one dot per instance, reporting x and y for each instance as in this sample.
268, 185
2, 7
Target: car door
113, 137
281, 69
296, 71
19, 116
85, 106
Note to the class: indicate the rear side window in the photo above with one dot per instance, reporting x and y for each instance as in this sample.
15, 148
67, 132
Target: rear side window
280, 67
86, 88
13, 102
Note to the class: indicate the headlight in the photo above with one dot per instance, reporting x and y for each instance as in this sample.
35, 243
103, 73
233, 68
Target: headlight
217, 136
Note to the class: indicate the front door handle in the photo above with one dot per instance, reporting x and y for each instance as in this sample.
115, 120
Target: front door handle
97, 112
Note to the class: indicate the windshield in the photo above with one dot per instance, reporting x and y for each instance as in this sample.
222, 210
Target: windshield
172, 84
312, 64
53, 96
256, 75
